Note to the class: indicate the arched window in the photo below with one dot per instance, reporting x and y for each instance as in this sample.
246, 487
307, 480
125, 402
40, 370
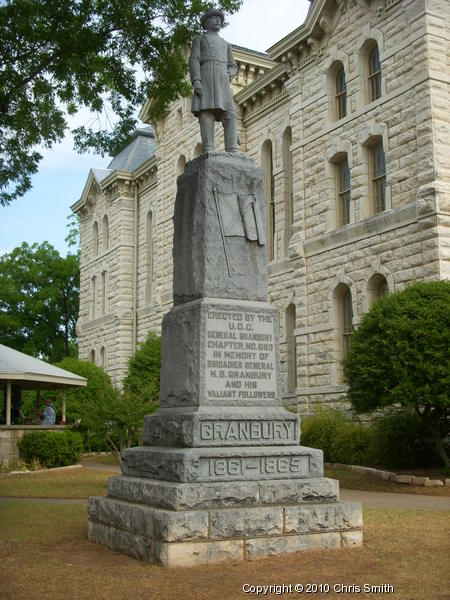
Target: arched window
343, 191
377, 173
198, 150
95, 239
149, 257
105, 233
181, 164
104, 298
377, 286
93, 296
343, 298
92, 356
269, 184
291, 349
103, 357
288, 187
340, 93
373, 73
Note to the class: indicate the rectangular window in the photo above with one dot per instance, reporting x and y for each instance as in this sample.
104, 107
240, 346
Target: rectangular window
378, 178
343, 192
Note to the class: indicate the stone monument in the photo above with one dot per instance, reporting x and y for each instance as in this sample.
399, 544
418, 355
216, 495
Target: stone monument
221, 474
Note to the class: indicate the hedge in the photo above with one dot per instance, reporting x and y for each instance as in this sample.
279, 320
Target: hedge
51, 448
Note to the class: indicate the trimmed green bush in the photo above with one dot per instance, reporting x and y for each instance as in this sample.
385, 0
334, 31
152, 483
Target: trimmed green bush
51, 448
402, 440
320, 430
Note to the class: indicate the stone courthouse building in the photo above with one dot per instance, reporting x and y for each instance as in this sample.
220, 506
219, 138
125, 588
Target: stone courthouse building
348, 116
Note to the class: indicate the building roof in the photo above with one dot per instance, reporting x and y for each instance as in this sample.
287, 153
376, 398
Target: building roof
33, 373
136, 152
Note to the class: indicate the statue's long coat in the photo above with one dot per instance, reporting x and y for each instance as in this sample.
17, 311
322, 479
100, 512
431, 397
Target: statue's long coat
211, 62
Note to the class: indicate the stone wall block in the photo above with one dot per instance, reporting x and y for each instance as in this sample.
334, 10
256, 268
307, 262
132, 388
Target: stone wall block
294, 492
114, 512
344, 515
259, 547
191, 554
168, 526
131, 544
235, 523
98, 533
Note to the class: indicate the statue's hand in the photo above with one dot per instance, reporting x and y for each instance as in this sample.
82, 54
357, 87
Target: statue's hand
198, 88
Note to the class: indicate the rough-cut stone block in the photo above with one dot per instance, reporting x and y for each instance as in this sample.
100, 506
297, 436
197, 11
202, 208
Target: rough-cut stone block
98, 533
296, 491
114, 512
350, 539
419, 480
133, 545
324, 517
223, 464
434, 483
170, 526
225, 353
242, 522
403, 479
258, 547
190, 554
220, 199
184, 496
219, 426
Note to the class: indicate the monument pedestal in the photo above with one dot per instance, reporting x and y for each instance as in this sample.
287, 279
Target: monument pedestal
221, 475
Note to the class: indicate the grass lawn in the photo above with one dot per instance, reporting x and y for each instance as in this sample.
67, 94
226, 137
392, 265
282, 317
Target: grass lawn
45, 554
100, 459
76, 483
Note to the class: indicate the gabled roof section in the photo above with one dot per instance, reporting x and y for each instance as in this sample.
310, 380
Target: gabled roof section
136, 152
31, 372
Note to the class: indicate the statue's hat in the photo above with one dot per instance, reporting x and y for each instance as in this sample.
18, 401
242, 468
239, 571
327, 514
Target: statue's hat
213, 12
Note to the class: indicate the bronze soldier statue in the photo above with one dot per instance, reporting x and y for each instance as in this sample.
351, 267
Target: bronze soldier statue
212, 67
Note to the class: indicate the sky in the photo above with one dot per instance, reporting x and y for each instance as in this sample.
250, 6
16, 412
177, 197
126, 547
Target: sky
41, 214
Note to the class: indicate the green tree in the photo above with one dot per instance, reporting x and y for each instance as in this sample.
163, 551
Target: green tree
400, 356
56, 57
39, 297
90, 409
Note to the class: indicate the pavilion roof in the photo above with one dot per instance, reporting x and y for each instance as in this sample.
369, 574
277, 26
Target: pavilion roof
33, 373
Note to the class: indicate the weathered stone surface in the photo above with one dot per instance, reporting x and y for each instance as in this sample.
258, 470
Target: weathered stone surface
350, 539
220, 426
323, 517
114, 512
242, 522
190, 554
225, 353
265, 546
212, 254
223, 464
171, 526
297, 491
184, 496
133, 545
98, 533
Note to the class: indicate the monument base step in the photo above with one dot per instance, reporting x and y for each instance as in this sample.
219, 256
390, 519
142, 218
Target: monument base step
188, 538
222, 464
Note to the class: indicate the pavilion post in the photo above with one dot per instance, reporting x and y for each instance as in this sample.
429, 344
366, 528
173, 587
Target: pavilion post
63, 406
8, 403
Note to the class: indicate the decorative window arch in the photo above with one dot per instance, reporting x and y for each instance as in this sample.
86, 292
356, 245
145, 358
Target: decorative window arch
373, 72
93, 296
103, 357
181, 164
95, 239
291, 348
343, 297
198, 150
104, 297
377, 286
269, 185
105, 233
92, 356
288, 187
149, 257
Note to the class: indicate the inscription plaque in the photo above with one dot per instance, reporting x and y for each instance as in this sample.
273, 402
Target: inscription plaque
255, 467
240, 356
243, 431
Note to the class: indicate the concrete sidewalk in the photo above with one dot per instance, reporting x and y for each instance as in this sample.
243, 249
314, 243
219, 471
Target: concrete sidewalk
396, 500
